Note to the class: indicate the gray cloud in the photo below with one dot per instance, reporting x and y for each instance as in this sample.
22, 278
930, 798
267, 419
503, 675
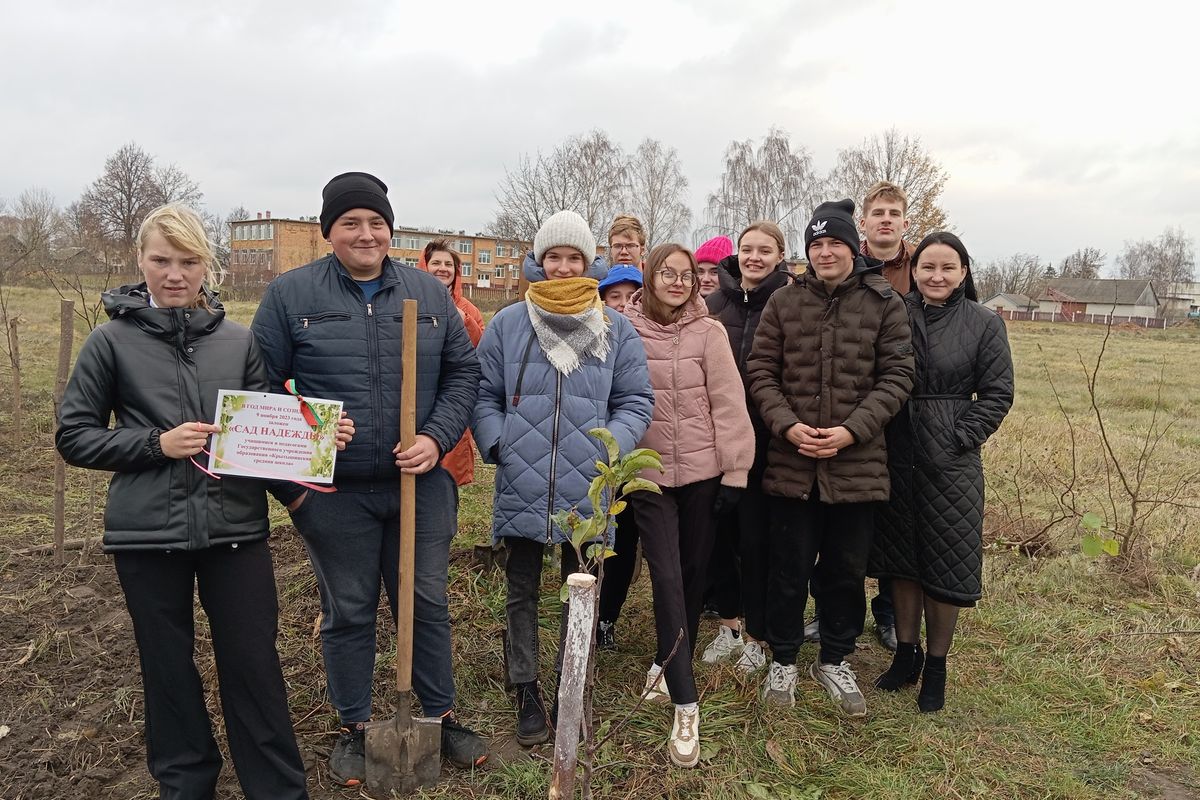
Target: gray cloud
261, 103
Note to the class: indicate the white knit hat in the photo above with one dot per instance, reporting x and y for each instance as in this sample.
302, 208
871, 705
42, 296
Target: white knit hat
565, 229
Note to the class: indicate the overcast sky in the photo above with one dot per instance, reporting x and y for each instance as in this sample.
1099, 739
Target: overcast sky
1061, 124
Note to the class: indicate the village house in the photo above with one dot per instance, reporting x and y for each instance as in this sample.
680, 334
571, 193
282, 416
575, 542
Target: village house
1181, 300
1100, 297
1007, 301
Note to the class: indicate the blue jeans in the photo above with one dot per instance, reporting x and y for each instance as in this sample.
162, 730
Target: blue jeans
353, 539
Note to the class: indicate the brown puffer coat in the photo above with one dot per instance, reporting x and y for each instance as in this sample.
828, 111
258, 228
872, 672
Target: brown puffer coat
829, 359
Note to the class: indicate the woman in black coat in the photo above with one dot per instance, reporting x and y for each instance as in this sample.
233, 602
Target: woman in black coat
738, 566
929, 537
157, 366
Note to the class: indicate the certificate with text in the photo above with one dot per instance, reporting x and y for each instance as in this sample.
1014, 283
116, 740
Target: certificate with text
278, 436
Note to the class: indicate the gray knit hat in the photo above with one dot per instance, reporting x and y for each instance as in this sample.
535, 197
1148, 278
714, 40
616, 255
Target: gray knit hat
565, 229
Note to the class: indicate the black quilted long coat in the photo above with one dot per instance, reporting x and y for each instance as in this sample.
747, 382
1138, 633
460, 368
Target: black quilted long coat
931, 530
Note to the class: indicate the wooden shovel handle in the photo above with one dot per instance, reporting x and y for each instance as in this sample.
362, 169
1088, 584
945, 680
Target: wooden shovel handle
408, 504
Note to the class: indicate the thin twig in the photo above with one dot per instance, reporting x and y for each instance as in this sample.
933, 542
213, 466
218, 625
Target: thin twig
645, 693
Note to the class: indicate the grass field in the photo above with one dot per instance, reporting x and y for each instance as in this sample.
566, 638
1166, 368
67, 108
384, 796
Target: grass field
1074, 678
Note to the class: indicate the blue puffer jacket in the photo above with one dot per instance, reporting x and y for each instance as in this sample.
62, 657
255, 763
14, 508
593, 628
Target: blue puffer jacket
314, 326
532, 421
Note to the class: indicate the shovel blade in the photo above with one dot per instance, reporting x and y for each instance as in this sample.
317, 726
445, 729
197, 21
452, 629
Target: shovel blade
404, 753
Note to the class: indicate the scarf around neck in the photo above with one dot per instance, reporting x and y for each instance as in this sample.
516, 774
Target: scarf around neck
569, 321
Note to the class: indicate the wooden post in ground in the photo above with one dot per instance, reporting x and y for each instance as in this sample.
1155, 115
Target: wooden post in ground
581, 591
14, 348
66, 342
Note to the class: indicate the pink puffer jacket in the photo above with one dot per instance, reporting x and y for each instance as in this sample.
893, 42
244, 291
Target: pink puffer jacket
700, 426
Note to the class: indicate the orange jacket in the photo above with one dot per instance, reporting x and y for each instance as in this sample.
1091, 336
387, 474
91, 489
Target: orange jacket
460, 461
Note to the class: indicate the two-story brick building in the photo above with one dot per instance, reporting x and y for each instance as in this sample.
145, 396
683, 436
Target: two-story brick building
263, 247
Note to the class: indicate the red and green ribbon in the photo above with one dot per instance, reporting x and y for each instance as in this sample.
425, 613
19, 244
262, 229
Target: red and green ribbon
306, 410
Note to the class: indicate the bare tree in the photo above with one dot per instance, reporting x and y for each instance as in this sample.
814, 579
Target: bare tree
172, 185
1086, 262
658, 192
774, 181
1171, 258
37, 220
122, 196
130, 186
903, 161
595, 167
1019, 273
583, 174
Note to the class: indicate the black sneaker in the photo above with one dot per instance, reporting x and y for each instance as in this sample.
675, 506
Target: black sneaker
348, 761
531, 715
606, 636
461, 746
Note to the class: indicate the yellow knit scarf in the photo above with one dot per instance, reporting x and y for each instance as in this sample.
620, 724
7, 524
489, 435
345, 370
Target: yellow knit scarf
566, 295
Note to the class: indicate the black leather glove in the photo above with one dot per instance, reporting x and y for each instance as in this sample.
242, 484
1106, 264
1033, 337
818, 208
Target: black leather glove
727, 499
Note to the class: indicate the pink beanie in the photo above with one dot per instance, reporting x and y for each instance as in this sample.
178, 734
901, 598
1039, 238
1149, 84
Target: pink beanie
714, 250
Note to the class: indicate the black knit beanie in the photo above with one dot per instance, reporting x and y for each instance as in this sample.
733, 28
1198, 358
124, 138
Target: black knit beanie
834, 219
352, 190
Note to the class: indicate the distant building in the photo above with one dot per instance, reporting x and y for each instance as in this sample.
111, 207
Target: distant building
1101, 296
1006, 301
263, 247
1181, 300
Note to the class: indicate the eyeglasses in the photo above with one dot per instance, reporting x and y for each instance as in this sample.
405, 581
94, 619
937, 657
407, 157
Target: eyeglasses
669, 276
624, 246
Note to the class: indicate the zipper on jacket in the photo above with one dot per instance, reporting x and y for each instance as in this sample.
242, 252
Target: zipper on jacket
554, 458
375, 382
192, 534
304, 322
675, 405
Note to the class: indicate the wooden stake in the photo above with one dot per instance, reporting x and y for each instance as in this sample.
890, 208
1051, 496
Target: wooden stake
14, 347
582, 595
66, 342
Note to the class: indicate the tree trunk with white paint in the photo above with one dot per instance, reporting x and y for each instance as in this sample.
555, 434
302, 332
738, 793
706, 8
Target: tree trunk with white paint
582, 597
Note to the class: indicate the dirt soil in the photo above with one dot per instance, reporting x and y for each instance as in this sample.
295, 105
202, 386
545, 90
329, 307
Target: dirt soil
71, 710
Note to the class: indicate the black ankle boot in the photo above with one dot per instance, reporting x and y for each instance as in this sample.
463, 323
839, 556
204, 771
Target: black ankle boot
905, 668
531, 715
933, 685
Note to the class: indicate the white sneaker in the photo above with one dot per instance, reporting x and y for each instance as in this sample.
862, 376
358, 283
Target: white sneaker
724, 646
812, 631
656, 686
842, 684
684, 747
779, 688
753, 657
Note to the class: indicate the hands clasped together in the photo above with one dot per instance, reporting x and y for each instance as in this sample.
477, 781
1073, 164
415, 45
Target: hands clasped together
819, 442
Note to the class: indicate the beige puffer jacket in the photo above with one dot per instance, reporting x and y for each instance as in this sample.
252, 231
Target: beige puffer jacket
700, 426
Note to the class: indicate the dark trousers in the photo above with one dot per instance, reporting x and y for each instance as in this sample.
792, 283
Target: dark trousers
353, 542
882, 608
754, 538
724, 590
523, 574
237, 591
677, 529
619, 569
839, 534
